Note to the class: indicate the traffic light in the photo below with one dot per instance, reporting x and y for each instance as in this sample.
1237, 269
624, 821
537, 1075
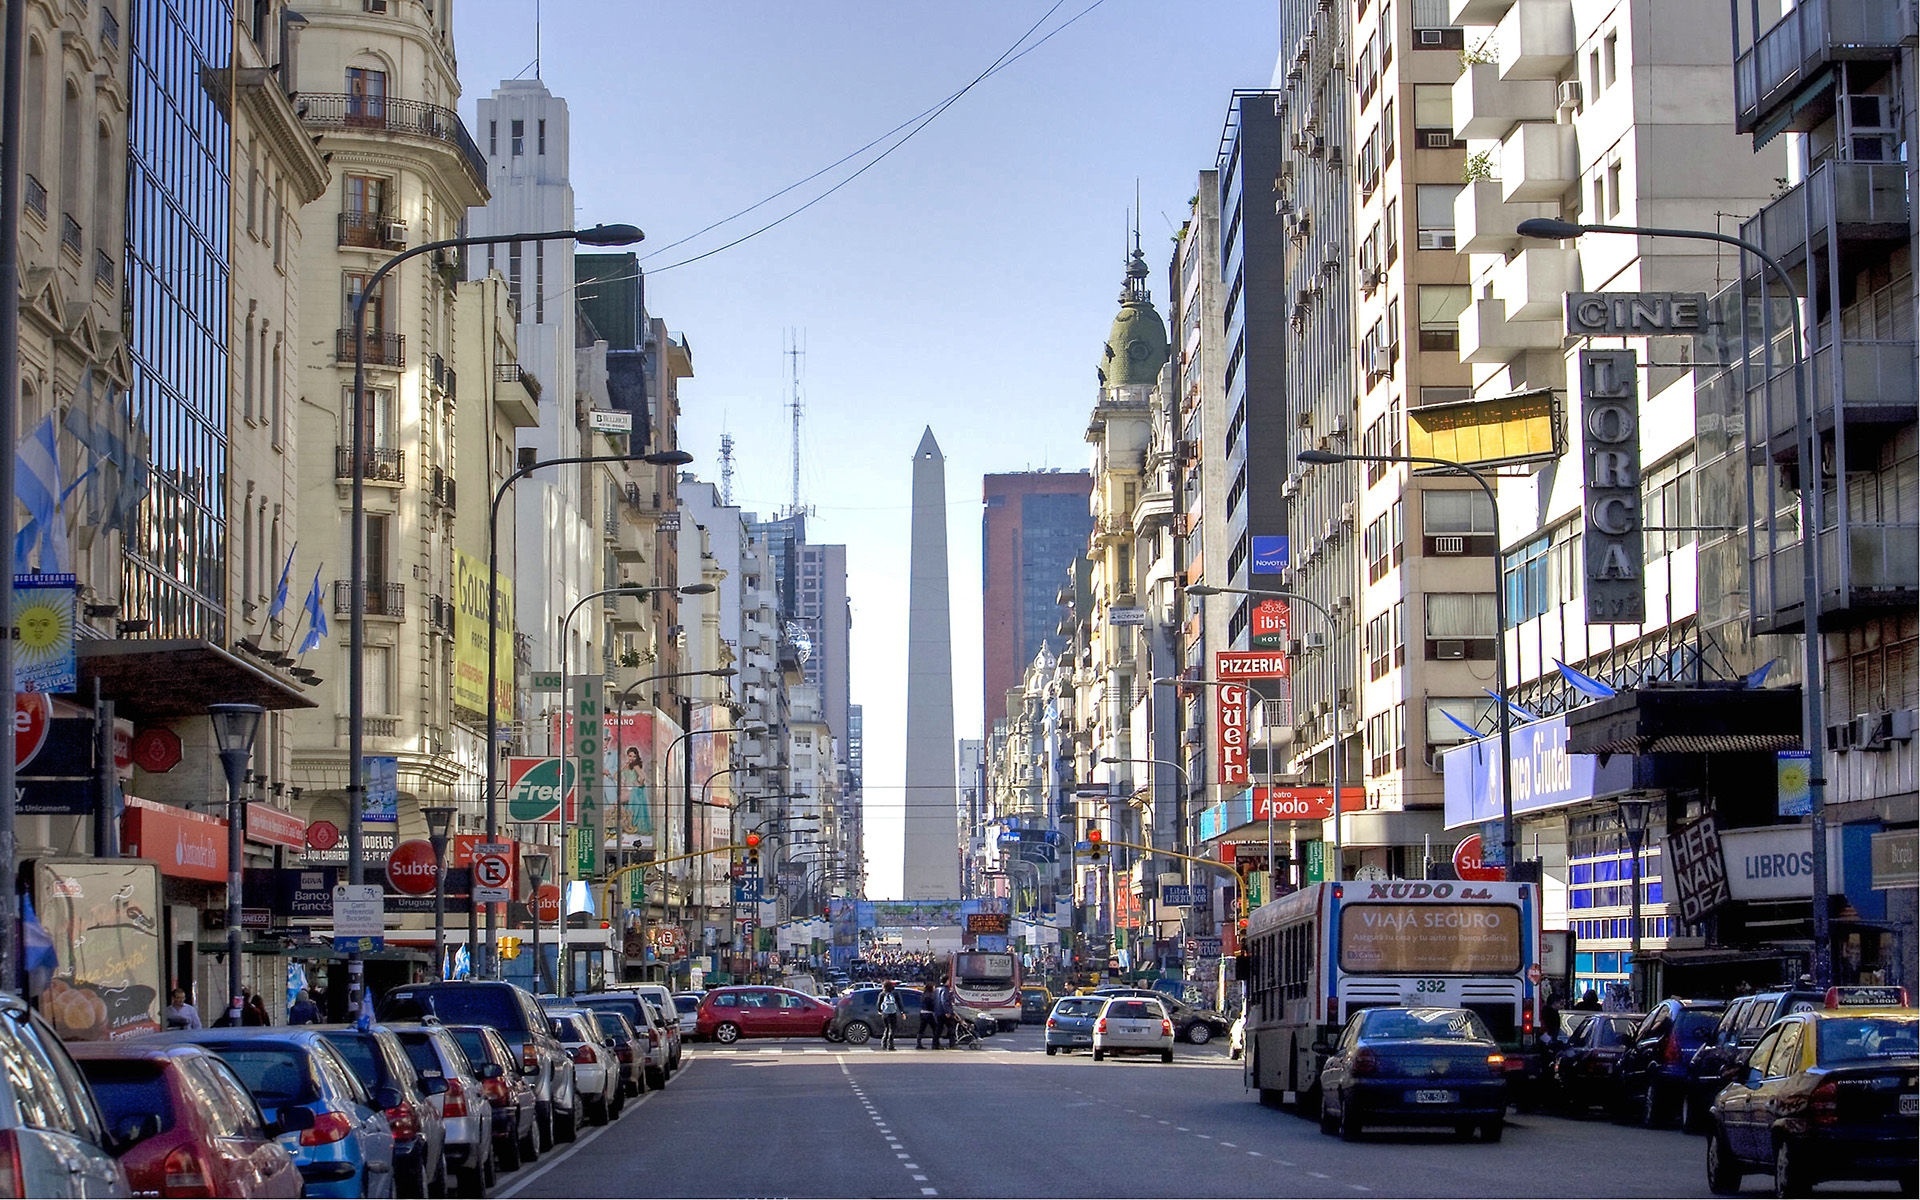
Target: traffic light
509, 948
1096, 849
753, 854
826, 910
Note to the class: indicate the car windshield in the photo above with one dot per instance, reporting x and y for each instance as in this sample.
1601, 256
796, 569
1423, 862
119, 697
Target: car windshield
1453, 1024
1138, 1010
129, 1089
474, 1042
275, 1075
567, 1029
361, 1054
1697, 1025
421, 1052
686, 1004
1614, 1031
456, 1005
1077, 1006
611, 1025
1858, 1039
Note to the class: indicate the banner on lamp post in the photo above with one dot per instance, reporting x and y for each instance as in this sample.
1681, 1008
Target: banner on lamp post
589, 743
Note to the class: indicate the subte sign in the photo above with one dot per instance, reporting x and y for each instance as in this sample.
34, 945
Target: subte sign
1467, 863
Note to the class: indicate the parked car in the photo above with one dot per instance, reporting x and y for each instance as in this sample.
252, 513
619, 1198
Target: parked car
1197, 1026
516, 1139
516, 1015
596, 1070
54, 1140
728, 1014
1720, 1059
1828, 1094
419, 1134
1070, 1024
203, 1133
348, 1150
686, 1006
1653, 1075
465, 1111
856, 1014
629, 1050
1132, 1025
1414, 1066
628, 1002
1586, 1071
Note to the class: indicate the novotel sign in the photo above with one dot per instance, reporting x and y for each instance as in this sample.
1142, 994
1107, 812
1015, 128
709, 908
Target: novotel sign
1635, 314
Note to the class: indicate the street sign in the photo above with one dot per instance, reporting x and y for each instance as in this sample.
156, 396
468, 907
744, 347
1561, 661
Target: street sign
609, 420
1181, 895
359, 910
492, 875
1468, 862
412, 868
1126, 616
1535, 974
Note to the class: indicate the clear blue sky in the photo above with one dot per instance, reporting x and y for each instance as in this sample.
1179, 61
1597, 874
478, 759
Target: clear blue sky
964, 283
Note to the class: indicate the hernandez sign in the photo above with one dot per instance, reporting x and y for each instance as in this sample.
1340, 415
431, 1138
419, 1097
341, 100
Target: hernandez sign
1698, 869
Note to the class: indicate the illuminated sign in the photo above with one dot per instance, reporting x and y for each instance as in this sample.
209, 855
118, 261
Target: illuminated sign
1526, 427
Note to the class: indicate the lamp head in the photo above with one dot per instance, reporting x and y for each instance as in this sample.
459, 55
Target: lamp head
439, 818
234, 726
1549, 228
535, 862
609, 235
697, 589
1320, 456
667, 458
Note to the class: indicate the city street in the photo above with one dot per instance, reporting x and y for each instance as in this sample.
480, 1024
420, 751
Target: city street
805, 1118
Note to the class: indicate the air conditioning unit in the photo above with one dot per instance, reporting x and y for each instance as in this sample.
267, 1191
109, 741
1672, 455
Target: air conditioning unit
1290, 487
1450, 545
1330, 531
1293, 648
1569, 95
1437, 139
1337, 427
1347, 513
1840, 737
1432, 37
1436, 239
1872, 731
1903, 724
394, 233
1450, 649
1314, 640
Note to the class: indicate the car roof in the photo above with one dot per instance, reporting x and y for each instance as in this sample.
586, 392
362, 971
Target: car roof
146, 1049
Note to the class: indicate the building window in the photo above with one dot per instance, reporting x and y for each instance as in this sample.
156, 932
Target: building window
1457, 523
540, 134
1525, 580
1459, 625
1475, 712
518, 138
493, 139
1610, 56
1667, 502
366, 96
1440, 309
1613, 190
1433, 210
1391, 225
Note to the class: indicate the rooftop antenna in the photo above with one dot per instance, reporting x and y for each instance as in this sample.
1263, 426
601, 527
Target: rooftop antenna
794, 352
536, 39
726, 470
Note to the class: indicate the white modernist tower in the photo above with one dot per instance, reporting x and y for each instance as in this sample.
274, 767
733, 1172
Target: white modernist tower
931, 868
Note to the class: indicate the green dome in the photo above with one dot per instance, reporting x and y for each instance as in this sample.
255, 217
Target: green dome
1136, 346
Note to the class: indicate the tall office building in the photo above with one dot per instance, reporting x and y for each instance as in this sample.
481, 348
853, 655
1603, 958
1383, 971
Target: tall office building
1035, 524
931, 865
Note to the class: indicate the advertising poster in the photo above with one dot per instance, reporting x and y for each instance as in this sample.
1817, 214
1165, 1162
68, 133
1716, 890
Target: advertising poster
382, 803
470, 637
537, 786
43, 611
103, 917
629, 778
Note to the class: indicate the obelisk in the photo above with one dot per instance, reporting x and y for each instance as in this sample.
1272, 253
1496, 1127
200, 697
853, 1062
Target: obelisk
931, 865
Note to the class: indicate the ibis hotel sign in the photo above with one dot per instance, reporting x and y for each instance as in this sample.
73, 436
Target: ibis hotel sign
1610, 475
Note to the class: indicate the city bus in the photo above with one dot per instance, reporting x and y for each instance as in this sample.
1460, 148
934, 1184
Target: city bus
987, 982
1314, 958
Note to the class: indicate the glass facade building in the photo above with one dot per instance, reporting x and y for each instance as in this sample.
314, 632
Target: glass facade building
178, 176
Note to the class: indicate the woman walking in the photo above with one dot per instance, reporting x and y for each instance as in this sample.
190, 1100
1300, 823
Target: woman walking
889, 1009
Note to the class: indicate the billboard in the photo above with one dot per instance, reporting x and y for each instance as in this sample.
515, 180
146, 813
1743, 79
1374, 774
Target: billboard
1526, 427
470, 637
103, 915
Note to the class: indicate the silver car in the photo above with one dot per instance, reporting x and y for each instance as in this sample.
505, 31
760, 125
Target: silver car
59, 1139
596, 1070
464, 1108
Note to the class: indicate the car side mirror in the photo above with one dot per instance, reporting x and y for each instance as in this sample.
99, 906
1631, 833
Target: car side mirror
291, 1118
491, 1071
1751, 1079
1322, 1046
433, 1085
386, 1097
131, 1132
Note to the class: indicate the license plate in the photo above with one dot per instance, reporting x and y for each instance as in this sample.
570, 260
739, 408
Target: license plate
1910, 1106
1435, 1096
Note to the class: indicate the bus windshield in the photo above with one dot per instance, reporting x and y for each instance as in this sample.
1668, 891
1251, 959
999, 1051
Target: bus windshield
982, 968
1430, 939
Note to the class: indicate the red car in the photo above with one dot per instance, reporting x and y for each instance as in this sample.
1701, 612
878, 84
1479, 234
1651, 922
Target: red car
211, 1139
728, 1014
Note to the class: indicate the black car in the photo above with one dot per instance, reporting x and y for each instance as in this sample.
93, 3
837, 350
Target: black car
1719, 1061
856, 1015
1586, 1071
1414, 1066
1832, 1094
1653, 1076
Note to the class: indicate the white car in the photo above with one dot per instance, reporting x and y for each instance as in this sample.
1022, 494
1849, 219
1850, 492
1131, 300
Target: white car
1133, 1025
688, 1005
596, 1069
464, 1108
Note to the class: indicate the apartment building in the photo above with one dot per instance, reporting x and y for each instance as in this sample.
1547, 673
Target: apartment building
1032, 524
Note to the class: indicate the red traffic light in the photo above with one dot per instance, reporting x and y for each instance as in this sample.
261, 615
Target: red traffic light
753, 841
1093, 835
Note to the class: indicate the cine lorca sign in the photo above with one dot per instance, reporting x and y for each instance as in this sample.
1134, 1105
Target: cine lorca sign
1610, 474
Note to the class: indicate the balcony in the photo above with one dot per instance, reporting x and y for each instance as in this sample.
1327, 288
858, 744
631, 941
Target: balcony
382, 599
70, 234
1486, 106
1874, 383
1848, 201
385, 464
372, 231
1536, 40
380, 114
1483, 223
103, 271
1538, 162
1810, 36
1477, 12
377, 349
1872, 565
1534, 283
1488, 336
36, 197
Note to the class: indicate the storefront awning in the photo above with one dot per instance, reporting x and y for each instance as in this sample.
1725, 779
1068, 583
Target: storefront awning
1687, 720
166, 680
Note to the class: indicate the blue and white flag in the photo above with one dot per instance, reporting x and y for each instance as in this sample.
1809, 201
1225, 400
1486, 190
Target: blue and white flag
1585, 684
316, 616
1469, 730
280, 591
1515, 709
37, 484
462, 963
1760, 677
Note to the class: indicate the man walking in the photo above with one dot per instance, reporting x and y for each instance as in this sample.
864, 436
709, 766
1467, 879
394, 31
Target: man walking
949, 1010
929, 1017
179, 1014
889, 1010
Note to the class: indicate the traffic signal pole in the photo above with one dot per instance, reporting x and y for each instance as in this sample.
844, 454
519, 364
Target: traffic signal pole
616, 876
1239, 876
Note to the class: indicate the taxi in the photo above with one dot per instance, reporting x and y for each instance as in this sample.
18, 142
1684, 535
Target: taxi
1829, 1093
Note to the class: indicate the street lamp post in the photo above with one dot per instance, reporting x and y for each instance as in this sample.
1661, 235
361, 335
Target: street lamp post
1813, 700
660, 458
1153, 895
439, 819
1333, 774
534, 862
234, 727
599, 235
1635, 809
1502, 713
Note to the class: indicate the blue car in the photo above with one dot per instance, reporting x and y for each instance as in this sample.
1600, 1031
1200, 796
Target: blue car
349, 1150
1070, 1024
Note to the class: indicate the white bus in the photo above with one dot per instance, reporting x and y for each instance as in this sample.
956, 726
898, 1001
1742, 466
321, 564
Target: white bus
1314, 958
988, 983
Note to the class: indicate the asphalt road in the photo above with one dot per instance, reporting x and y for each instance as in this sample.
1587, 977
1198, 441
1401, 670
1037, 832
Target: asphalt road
805, 1118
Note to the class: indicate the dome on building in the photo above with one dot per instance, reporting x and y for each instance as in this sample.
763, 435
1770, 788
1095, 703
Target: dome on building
1136, 346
